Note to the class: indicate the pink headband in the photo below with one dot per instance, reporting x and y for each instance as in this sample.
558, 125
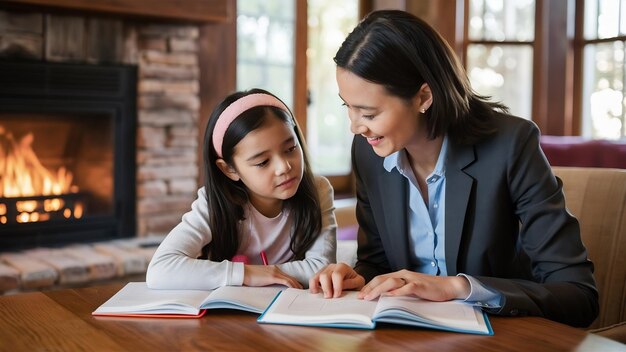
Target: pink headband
237, 108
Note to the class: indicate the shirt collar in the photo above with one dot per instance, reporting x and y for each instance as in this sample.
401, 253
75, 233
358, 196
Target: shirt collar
400, 161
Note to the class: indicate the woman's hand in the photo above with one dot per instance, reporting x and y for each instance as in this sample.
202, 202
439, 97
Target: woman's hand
264, 275
335, 278
409, 283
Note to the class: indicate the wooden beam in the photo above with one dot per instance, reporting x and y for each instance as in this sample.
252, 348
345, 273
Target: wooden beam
553, 86
182, 10
218, 70
301, 96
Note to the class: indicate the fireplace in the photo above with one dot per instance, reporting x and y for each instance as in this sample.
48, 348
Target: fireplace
67, 153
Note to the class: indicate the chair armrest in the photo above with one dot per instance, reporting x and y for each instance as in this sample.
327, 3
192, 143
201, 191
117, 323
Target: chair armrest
615, 332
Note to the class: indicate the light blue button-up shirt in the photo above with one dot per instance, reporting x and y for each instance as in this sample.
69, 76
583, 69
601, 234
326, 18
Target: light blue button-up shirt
427, 224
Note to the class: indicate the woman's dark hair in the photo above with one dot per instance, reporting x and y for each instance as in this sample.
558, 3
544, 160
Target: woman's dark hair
401, 52
226, 198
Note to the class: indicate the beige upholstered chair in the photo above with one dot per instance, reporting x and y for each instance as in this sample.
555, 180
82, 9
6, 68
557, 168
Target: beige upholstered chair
597, 197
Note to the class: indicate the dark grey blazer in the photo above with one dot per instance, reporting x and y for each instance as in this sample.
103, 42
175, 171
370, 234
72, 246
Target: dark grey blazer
505, 222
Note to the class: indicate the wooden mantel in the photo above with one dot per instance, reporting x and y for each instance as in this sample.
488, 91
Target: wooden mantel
177, 10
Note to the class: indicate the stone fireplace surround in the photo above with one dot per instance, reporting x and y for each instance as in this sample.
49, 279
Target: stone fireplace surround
168, 105
168, 94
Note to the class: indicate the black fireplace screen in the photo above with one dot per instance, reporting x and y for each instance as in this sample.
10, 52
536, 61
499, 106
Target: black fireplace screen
67, 153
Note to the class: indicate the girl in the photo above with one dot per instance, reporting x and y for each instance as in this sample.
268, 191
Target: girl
261, 218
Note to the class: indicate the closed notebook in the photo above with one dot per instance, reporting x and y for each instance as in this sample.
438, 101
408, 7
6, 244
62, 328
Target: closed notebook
137, 300
299, 307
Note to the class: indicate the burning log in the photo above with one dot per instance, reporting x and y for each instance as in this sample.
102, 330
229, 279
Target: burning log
29, 192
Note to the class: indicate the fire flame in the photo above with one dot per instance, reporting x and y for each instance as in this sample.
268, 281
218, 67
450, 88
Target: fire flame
23, 175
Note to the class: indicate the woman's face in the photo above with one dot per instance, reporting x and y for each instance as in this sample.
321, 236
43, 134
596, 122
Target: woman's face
269, 161
388, 122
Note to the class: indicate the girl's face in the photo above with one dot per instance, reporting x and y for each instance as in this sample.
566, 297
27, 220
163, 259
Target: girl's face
269, 161
388, 122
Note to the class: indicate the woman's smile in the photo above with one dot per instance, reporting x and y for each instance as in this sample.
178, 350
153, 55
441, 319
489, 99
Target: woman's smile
374, 141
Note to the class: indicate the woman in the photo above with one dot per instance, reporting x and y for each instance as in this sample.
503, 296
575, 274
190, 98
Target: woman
455, 197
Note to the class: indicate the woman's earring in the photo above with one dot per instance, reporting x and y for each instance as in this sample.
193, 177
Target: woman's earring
422, 110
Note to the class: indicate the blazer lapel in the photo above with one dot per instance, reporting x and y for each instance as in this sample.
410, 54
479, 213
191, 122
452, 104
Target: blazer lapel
458, 189
394, 195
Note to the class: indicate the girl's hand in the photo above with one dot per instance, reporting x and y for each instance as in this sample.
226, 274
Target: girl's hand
334, 278
264, 275
409, 283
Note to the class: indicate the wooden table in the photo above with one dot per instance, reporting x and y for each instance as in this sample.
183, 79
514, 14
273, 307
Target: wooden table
62, 321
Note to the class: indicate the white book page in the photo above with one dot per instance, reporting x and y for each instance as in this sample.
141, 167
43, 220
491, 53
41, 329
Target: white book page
136, 297
252, 299
297, 306
454, 314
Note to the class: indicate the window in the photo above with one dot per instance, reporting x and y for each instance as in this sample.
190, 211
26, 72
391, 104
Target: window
604, 94
268, 33
499, 53
569, 76
265, 46
328, 128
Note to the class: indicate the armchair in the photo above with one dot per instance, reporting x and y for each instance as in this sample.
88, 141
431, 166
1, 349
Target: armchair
597, 197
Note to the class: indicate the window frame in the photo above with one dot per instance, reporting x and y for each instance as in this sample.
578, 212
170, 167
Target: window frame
555, 103
505, 43
582, 43
343, 185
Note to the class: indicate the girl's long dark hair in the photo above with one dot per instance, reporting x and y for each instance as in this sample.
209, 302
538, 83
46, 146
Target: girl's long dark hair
401, 52
226, 198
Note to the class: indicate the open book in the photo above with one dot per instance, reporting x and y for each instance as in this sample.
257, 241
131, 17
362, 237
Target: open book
137, 300
300, 307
